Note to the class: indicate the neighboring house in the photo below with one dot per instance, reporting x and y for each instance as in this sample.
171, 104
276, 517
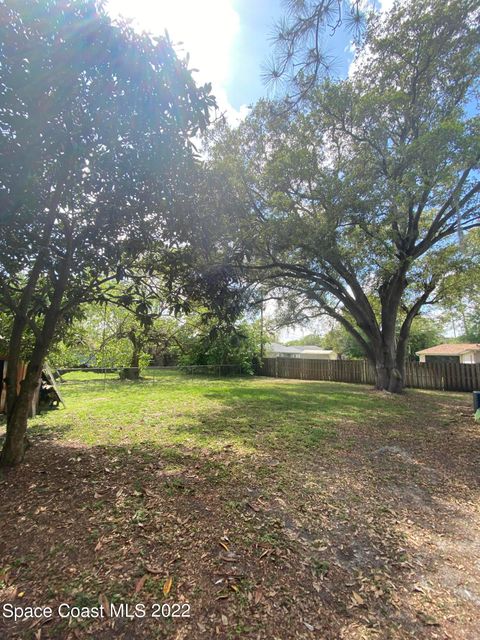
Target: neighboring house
466, 353
309, 352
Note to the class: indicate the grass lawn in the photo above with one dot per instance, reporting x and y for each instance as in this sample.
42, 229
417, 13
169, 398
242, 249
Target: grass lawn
273, 508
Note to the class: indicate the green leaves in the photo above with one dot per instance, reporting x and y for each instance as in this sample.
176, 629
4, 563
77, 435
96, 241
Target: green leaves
96, 165
352, 204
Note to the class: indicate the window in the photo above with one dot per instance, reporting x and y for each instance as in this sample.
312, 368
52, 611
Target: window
434, 359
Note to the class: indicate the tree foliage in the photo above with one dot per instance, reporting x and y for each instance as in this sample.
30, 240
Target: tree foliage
354, 204
113, 336
212, 343
425, 332
309, 339
96, 162
300, 57
461, 303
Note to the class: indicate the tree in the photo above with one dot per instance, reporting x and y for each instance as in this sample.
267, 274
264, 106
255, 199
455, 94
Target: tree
143, 313
310, 339
339, 340
461, 304
212, 342
96, 167
299, 55
110, 335
90, 340
354, 204
424, 333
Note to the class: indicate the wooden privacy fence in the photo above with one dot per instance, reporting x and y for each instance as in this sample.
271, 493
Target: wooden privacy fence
444, 376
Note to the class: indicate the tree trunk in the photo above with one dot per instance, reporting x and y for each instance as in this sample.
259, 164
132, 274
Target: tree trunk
13, 450
15, 443
20, 314
133, 372
14, 349
389, 377
134, 362
130, 373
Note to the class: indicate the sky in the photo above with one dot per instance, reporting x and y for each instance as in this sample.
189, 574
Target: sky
226, 41
229, 42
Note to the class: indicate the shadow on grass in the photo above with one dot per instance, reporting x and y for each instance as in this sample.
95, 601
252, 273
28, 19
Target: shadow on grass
157, 473
249, 413
92, 520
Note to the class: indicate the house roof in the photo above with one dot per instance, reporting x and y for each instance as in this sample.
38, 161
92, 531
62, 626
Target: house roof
281, 348
451, 349
310, 347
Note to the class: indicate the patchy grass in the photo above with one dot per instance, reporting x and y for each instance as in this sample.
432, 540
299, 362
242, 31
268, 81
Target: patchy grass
279, 509
251, 415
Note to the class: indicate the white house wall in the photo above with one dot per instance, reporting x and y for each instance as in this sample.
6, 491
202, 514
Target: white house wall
319, 356
472, 357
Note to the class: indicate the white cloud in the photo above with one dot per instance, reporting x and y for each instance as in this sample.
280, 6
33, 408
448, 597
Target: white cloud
386, 5
383, 8
207, 30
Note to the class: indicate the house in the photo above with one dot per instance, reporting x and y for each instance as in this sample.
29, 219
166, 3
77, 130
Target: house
465, 353
311, 352
308, 352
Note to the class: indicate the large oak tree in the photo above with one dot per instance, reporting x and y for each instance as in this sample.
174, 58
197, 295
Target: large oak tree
355, 202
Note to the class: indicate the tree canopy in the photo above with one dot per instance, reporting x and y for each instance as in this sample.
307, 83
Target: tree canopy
97, 166
300, 57
355, 204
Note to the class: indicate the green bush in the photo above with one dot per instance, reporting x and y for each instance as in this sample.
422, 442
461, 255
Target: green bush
477, 415
219, 345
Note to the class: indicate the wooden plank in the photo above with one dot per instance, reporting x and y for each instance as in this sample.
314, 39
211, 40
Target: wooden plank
447, 376
476, 381
409, 374
468, 378
453, 378
463, 378
47, 372
460, 377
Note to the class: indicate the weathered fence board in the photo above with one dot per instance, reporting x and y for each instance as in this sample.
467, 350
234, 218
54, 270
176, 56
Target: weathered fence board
443, 376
